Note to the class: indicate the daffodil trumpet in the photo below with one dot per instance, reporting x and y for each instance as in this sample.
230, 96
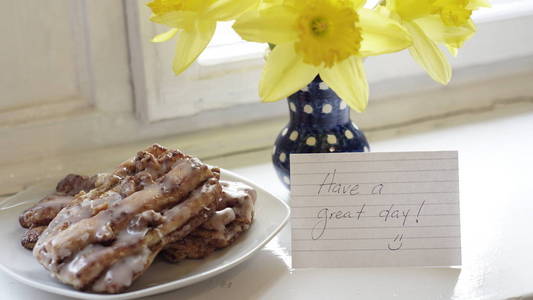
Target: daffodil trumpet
328, 38
194, 21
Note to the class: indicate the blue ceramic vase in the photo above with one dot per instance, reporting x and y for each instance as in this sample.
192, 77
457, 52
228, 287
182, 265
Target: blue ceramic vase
319, 123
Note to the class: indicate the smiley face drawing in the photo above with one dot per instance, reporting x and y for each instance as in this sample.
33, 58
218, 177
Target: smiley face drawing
397, 243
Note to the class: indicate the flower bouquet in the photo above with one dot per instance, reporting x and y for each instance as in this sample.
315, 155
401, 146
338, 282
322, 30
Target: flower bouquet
318, 47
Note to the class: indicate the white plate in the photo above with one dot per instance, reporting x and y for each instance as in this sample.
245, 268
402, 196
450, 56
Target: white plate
271, 215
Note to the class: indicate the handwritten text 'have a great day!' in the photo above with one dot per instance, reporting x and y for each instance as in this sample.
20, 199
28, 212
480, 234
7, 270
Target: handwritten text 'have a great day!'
387, 213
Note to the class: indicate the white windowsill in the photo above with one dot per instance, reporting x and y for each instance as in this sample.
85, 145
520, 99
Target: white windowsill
495, 169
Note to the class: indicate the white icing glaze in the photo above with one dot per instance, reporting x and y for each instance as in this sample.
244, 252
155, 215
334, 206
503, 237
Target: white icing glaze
147, 218
71, 215
220, 219
47, 207
80, 261
179, 171
181, 213
138, 233
99, 226
122, 273
241, 197
134, 233
219, 235
101, 179
55, 201
238, 202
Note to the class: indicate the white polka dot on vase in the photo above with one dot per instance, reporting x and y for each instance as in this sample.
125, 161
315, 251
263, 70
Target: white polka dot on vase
323, 86
304, 89
284, 132
273, 149
292, 106
308, 109
327, 108
343, 105
311, 141
332, 139
294, 136
286, 180
282, 157
355, 126
348, 134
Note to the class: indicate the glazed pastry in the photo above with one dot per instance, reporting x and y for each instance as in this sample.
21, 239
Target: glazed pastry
178, 222
104, 239
234, 216
124, 181
30, 236
101, 233
46, 209
37, 217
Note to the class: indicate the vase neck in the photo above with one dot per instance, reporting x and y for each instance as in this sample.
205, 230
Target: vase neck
318, 104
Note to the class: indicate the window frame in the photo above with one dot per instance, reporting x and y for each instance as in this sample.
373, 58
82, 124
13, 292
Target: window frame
122, 75
160, 95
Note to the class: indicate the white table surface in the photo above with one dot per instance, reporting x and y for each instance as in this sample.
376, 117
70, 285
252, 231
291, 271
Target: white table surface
496, 180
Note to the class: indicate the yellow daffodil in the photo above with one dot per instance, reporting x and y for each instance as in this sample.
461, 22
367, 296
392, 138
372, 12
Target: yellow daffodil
268, 3
320, 37
431, 22
194, 21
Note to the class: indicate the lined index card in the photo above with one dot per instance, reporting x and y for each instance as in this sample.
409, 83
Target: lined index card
375, 209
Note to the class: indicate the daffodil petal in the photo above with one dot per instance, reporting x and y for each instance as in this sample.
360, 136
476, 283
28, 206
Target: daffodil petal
273, 25
191, 43
358, 3
180, 19
381, 34
284, 73
475, 4
348, 80
165, 36
384, 10
410, 9
428, 55
453, 51
224, 10
269, 3
437, 31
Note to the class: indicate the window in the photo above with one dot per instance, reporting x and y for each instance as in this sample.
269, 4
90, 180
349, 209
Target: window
501, 46
227, 47
65, 77
227, 73
79, 87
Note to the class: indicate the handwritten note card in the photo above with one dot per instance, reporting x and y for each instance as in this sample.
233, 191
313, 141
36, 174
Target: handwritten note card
375, 209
